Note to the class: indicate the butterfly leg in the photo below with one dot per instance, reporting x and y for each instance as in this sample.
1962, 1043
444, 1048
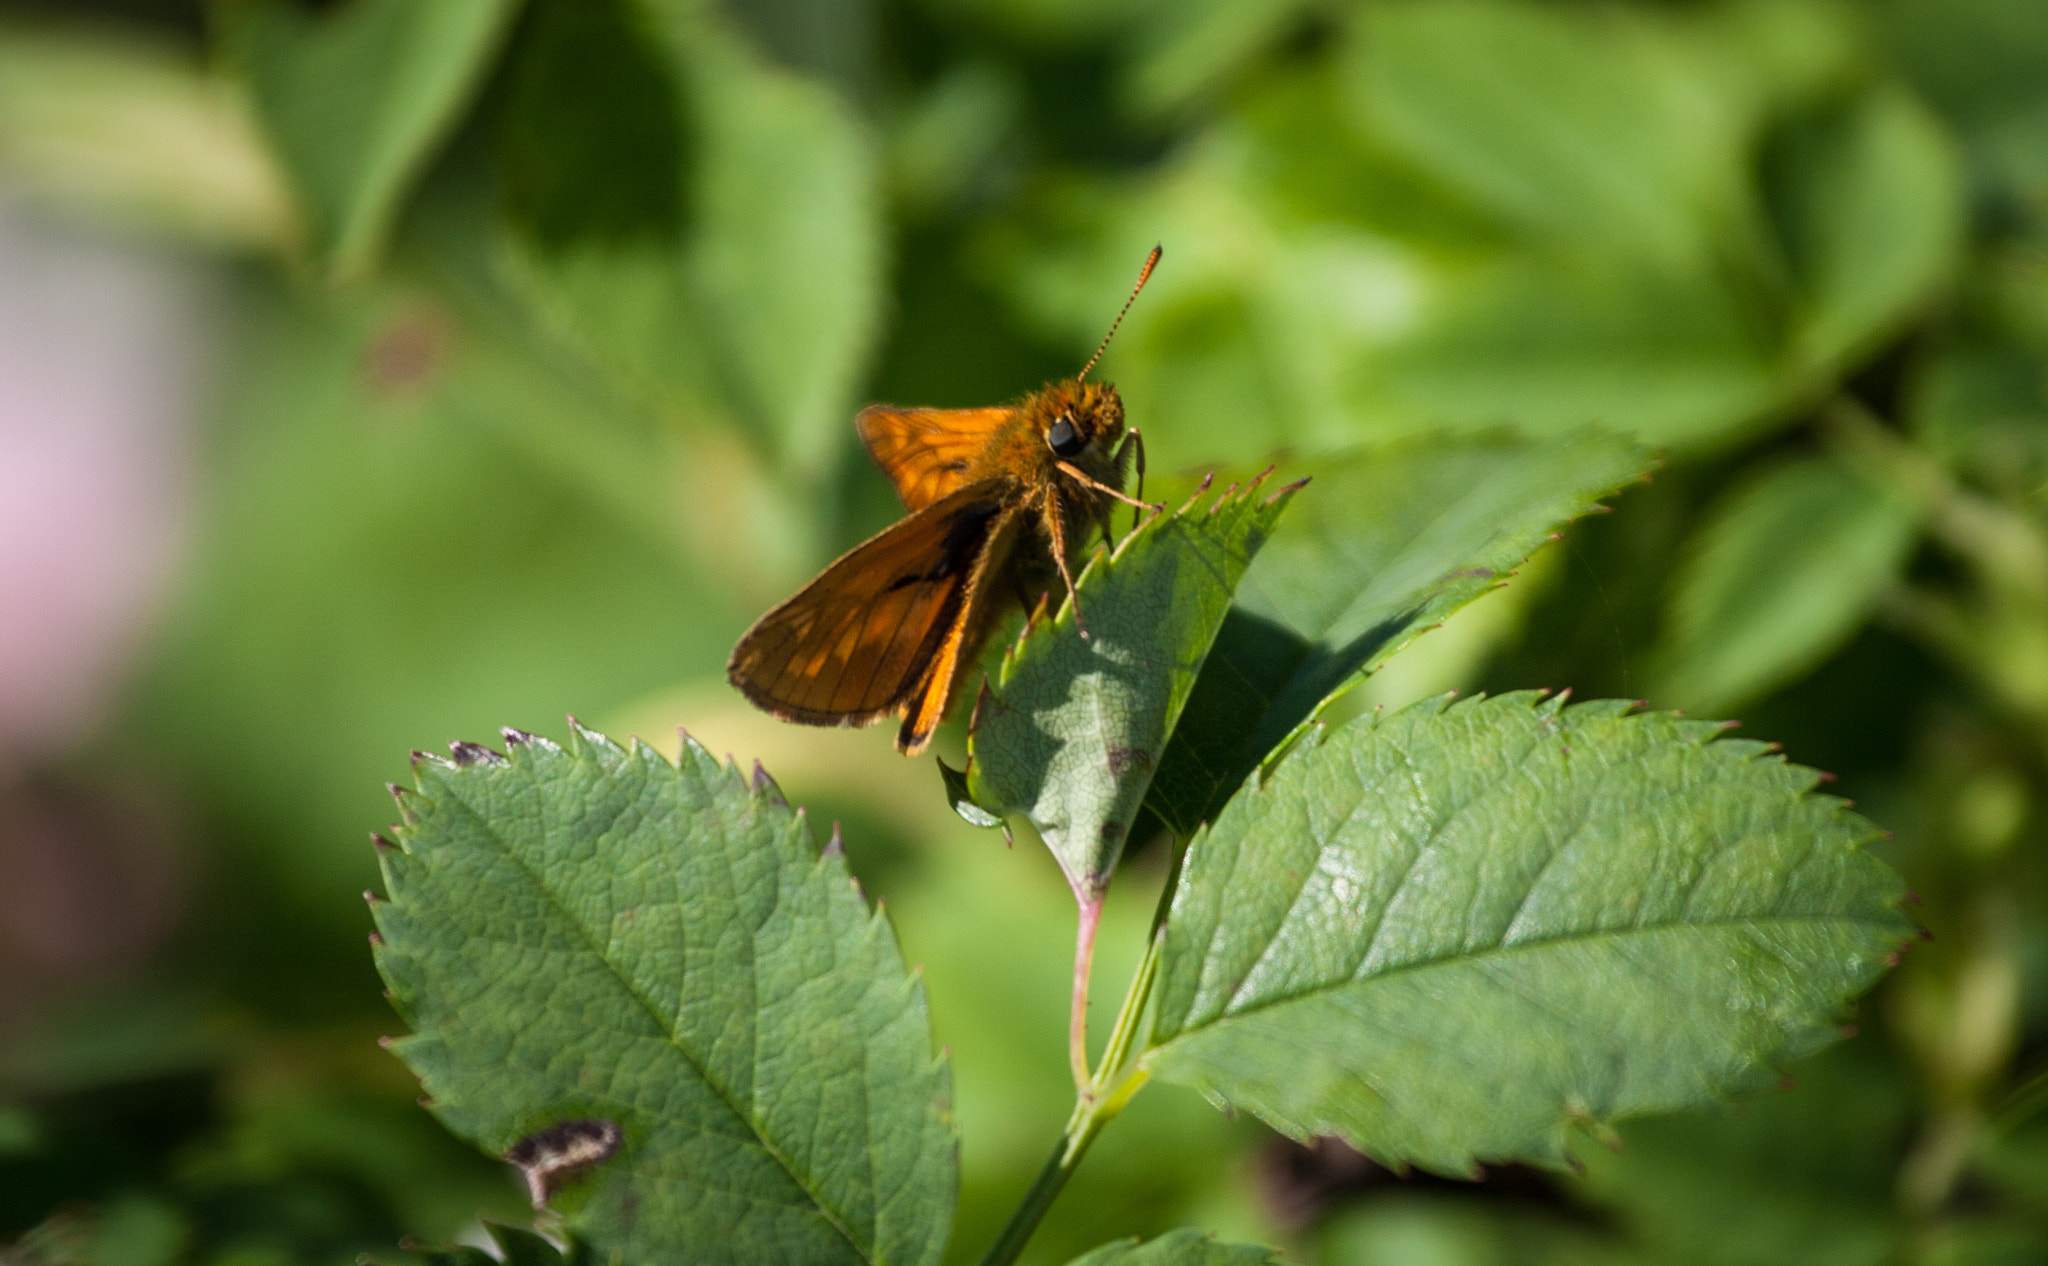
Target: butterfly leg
1056, 527
1083, 478
1133, 446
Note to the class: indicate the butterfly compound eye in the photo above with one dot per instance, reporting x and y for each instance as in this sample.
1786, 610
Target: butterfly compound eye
1063, 438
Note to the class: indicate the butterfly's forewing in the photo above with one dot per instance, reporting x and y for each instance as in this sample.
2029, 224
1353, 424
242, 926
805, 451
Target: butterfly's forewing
928, 453
864, 639
957, 652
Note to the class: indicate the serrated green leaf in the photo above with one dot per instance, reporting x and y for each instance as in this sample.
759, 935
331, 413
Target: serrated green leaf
592, 933
1785, 568
1449, 934
1182, 1247
1389, 542
355, 100
1071, 729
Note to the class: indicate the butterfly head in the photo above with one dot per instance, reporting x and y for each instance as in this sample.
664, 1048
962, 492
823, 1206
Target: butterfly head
1075, 417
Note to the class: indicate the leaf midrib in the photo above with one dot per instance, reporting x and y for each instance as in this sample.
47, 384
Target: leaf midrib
832, 1216
1501, 951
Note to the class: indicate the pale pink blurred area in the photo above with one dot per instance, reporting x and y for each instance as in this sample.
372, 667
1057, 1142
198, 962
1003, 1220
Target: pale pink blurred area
101, 348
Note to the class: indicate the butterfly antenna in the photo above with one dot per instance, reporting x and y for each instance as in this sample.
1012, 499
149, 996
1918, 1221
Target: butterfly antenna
1144, 275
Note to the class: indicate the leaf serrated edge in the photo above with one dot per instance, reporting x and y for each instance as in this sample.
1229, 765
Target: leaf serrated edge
1797, 782
527, 752
1594, 502
1036, 630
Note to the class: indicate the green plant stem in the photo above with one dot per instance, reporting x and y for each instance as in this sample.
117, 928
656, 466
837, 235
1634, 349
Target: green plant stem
1097, 1104
1060, 1166
1125, 1032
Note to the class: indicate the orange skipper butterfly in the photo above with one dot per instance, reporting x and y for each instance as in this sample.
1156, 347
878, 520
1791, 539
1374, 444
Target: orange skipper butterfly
1000, 500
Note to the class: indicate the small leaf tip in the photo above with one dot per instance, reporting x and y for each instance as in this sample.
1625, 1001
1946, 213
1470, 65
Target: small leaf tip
467, 754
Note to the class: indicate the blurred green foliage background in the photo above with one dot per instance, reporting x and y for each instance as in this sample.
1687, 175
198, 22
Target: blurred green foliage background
449, 364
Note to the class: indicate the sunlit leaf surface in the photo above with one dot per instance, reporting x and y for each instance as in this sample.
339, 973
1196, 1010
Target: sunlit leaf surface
1449, 934
1072, 728
592, 934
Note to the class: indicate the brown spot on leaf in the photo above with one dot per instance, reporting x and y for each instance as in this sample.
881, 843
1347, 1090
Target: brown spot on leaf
1123, 759
561, 1152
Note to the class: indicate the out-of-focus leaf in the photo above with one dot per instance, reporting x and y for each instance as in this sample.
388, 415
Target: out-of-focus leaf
432, 1255
1981, 63
1449, 934
133, 134
592, 934
132, 1229
1388, 542
524, 1248
1478, 214
1048, 24
288, 1115
139, 1230
354, 101
1806, 1173
1870, 203
19, 1133
1984, 409
1571, 125
600, 177
592, 131
949, 143
1191, 48
1183, 1247
1785, 569
1402, 1229
152, 1029
1552, 342
835, 40
413, 521
787, 256
1070, 731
